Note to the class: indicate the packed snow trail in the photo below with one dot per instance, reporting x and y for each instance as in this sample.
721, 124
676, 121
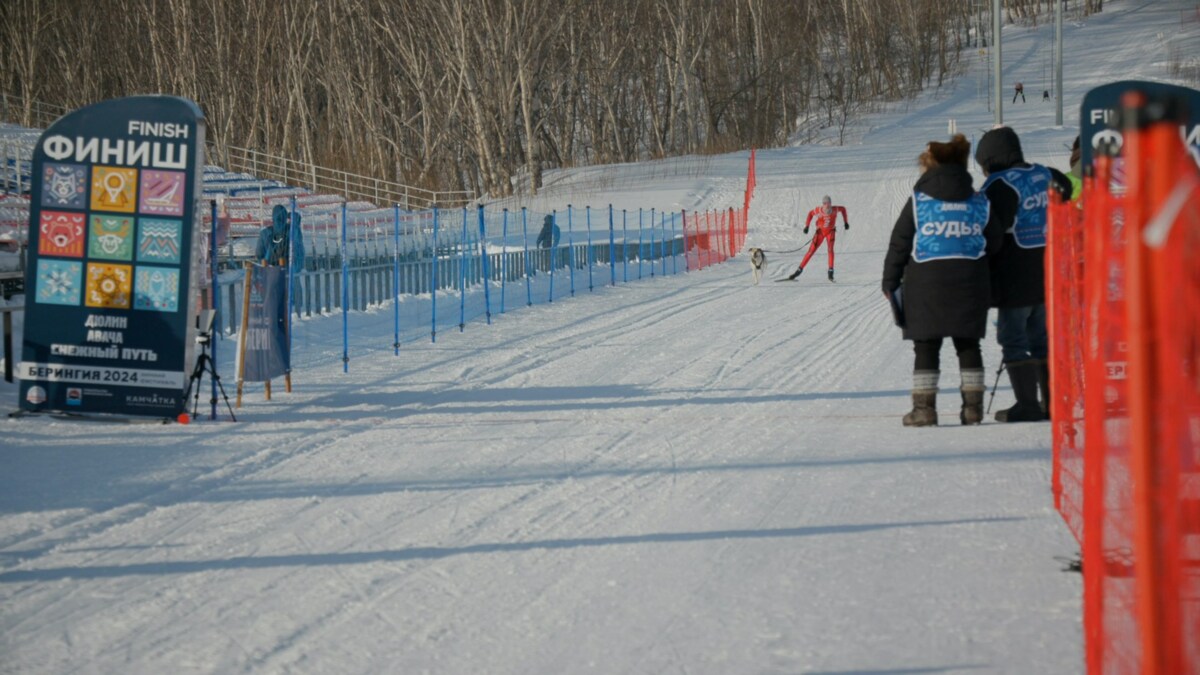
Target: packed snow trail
689, 474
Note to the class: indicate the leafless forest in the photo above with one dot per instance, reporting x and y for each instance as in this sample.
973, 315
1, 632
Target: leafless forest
486, 94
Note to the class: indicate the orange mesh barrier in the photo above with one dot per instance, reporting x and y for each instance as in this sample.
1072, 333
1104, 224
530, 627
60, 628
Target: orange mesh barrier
1124, 311
1064, 297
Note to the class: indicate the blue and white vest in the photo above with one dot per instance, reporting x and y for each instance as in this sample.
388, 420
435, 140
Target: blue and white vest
1032, 186
949, 230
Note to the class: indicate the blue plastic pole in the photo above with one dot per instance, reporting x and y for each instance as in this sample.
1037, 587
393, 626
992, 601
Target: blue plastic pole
216, 298
571, 248
487, 293
433, 281
345, 299
641, 229
291, 284
591, 258
462, 275
651, 243
624, 246
504, 261
525, 242
553, 252
674, 240
663, 226
612, 247
396, 276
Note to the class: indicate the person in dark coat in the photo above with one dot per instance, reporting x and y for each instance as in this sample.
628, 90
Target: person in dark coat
1019, 193
936, 268
548, 237
273, 240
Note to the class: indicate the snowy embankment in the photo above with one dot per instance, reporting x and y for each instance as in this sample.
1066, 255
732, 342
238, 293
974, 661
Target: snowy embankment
690, 474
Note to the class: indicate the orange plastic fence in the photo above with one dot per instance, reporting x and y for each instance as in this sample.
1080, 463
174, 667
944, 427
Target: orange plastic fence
712, 237
1124, 295
1064, 296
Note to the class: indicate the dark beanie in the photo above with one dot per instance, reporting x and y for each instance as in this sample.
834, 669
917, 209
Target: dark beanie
999, 149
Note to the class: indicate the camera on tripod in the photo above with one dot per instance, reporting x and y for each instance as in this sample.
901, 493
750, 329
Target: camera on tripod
204, 325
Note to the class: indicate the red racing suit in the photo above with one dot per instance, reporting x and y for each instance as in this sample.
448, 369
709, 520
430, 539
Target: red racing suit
826, 229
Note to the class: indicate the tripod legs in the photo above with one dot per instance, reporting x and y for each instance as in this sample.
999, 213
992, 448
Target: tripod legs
204, 364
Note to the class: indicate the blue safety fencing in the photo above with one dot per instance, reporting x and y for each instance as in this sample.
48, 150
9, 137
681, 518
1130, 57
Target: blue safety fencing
445, 269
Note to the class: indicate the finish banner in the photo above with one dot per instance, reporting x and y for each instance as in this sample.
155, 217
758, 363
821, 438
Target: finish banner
110, 280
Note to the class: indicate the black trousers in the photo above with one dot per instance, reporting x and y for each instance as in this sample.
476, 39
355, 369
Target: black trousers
929, 353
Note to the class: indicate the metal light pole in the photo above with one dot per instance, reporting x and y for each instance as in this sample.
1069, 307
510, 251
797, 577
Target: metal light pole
1058, 61
996, 82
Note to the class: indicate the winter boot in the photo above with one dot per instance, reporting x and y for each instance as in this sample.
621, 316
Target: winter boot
924, 396
1043, 378
795, 274
1024, 378
831, 274
972, 396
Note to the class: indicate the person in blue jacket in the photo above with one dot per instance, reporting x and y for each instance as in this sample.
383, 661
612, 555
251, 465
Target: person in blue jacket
273, 240
548, 237
273, 243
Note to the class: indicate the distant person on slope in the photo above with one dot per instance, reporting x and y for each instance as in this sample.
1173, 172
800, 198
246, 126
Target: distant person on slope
936, 271
826, 215
1019, 194
1019, 90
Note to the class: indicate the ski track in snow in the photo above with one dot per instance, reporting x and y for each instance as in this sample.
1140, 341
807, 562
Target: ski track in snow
685, 474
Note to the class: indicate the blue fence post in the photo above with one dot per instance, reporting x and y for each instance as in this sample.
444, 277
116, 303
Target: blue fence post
687, 264
433, 280
612, 247
291, 284
504, 260
591, 258
675, 256
641, 231
651, 243
462, 275
553, 251
525, 243
396, 276
215, 287
487, 283
663, 226
571, 247
345, 298
624, 246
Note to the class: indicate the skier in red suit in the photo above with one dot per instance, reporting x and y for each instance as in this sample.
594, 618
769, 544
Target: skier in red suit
826, 215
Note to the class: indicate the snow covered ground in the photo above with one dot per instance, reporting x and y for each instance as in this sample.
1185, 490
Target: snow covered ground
689, 474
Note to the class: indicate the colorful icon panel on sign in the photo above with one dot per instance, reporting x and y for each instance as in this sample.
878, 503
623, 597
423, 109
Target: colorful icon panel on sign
157, 288
64, 186
114, 189
111, 237
109, 285
59, 282
159, 240
161, 193
61, 234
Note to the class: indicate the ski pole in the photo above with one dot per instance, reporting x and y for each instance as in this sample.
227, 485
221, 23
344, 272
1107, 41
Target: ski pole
994, 386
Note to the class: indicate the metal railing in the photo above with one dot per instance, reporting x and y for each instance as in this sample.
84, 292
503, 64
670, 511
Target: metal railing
29, 113
352, 186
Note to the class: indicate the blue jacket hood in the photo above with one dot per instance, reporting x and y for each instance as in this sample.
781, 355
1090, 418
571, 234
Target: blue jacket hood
279, 220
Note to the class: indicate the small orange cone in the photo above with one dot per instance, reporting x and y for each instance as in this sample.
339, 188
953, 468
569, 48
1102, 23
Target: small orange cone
184, 418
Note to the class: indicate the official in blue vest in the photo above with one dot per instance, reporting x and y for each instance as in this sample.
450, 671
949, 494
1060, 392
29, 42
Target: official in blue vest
1019, 193
936, 275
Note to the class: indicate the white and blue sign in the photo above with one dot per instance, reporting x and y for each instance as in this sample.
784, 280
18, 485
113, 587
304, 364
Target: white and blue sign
949, 230
108, 327
1099, 112
1032, 185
